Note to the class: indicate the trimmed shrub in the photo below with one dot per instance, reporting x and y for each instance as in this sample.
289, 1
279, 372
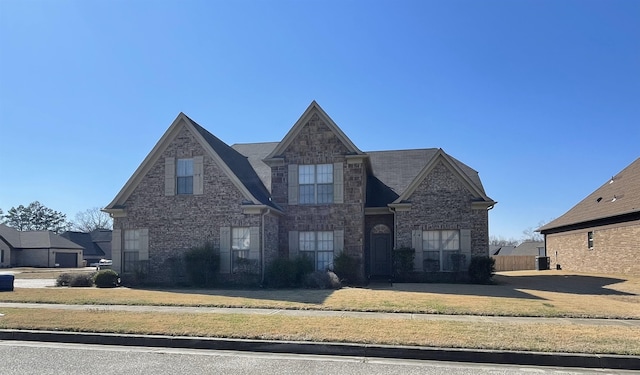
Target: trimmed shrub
287, 273
63, 279
77, 279
202, 264
346, 267
403, 261
106, 279
482, 269
321, 280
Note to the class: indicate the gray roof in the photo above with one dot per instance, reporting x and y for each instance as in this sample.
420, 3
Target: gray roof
618, 196
35, 239
255, 153
529, 248
502, 250
240, 166
95, 244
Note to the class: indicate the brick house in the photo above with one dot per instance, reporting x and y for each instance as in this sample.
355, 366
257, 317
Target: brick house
600, 234
314, 193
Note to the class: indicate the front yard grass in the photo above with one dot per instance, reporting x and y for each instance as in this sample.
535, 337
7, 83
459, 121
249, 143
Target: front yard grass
476, 335
538, 294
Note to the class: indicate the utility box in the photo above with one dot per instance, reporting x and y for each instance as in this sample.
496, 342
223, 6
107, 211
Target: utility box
6, 283
542, 263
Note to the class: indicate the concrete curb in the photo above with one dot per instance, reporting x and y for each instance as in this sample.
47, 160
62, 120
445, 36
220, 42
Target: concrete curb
336, 349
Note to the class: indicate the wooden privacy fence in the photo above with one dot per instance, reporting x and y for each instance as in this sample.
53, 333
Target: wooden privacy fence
515, 262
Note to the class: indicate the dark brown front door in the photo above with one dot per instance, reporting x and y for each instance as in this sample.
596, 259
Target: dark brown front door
381, 254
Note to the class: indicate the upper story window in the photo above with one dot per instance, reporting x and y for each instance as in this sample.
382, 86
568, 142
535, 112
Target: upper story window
315, 183
184, 176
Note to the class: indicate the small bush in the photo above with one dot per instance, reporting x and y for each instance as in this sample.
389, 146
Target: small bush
106, 279
482, 269
287, 273
403, 261
346, 267
63, 279
321, 280
202, 264
77, 279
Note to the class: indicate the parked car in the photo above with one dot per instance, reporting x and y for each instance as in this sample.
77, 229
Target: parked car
104, 264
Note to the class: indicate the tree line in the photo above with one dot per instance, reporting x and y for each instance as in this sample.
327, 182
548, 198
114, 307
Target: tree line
37, 216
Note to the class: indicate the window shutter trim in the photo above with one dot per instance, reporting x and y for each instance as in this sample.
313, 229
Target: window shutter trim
338, 242
465, 244
416, 242
294, 244
225, 249
198, 175
338, 183
144, 244
293, 184
116, 250
254, 243
169, 176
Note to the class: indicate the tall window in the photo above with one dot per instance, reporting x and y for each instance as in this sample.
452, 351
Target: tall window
240, 245
317, 246
184, 174
590, 240
131, 250
316, 183
439, 247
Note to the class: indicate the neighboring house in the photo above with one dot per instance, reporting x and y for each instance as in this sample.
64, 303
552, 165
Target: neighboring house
96, 244
533, 248
314, 193
501, 250
601, 234
37, 249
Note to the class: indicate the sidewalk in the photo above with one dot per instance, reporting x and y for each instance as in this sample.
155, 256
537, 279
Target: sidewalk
327, 313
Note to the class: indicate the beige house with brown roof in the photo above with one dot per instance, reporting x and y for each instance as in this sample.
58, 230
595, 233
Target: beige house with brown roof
601, 234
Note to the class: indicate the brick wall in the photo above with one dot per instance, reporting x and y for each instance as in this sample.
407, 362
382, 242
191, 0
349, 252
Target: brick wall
317, 144
616, 249
179, 222
441, 201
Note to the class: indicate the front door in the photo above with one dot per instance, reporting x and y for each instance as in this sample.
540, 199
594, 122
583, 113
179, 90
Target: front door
381, 254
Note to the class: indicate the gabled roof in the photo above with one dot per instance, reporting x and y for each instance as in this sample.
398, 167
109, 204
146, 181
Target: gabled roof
255, 153
313, 108
233, 164
404, 170
41, 239
529, 248
94, 243
619, 196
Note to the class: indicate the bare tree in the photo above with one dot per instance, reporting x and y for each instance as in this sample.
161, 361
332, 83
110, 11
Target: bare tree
501, 241
91, 219
35, 216
530, 233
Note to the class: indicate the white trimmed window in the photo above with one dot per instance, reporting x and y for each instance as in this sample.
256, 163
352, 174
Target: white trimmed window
317, 246
184, 176
240, 245
438, 247
131, 251
590, 240
315, 183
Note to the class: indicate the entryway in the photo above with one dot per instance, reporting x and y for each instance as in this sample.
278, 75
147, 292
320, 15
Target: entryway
380, 251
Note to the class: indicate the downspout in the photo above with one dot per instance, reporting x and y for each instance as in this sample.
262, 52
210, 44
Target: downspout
262, 247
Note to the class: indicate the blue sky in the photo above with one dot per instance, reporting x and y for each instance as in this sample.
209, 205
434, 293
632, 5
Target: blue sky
541, 97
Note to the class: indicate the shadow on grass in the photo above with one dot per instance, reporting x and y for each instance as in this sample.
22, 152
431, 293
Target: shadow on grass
516, 286
302, 296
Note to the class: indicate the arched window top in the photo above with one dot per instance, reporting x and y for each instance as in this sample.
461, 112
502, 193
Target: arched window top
380, 229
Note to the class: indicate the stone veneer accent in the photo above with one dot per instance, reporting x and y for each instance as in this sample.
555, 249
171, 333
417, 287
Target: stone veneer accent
441, 201
616, 249
179, 222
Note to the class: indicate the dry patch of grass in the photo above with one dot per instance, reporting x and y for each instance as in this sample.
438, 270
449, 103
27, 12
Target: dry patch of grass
528, 337
46, 273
